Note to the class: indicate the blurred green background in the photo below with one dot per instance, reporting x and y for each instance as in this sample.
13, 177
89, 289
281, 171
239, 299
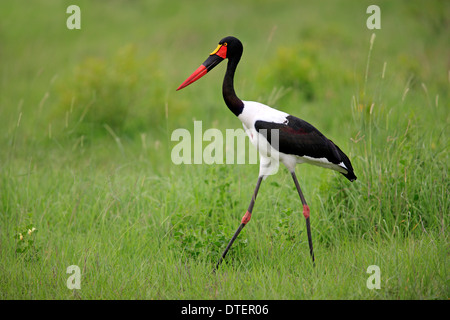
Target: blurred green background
121, 68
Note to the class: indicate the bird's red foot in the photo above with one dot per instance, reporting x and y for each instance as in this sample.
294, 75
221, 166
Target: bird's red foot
306, 211
246, 217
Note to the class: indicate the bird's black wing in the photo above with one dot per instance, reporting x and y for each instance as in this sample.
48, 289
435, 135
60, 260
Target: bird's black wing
298, 137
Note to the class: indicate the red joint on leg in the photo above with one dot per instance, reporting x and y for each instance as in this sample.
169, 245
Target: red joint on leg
246, 217
306, 211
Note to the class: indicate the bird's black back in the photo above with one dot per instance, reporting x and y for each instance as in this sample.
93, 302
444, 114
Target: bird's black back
298, 137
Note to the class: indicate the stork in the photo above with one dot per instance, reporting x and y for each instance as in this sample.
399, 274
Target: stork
279, 136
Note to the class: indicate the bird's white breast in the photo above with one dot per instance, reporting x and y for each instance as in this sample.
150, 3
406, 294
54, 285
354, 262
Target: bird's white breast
270, 157
254, 111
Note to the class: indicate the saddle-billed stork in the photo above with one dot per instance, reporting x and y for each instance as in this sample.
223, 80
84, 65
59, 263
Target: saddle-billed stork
279, 137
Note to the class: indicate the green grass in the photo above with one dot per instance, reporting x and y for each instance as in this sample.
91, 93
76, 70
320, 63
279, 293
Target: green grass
85, 123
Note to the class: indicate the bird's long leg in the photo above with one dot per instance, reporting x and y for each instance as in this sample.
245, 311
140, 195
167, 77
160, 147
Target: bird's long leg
245, 220
305, 214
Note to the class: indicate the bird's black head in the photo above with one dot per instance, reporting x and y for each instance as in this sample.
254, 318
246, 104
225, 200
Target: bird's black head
229, 47
233, 45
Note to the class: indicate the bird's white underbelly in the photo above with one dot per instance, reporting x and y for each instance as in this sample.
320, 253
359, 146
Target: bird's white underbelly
322, 162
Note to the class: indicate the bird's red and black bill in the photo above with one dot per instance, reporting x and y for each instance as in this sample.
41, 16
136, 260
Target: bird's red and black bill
216, 57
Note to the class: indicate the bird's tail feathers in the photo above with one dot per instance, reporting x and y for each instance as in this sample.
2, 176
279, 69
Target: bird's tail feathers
350, 175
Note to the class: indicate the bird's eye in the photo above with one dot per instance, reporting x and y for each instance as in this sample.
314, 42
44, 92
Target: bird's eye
225, 44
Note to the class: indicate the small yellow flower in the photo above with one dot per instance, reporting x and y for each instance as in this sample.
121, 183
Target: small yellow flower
20, 236
29, 232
